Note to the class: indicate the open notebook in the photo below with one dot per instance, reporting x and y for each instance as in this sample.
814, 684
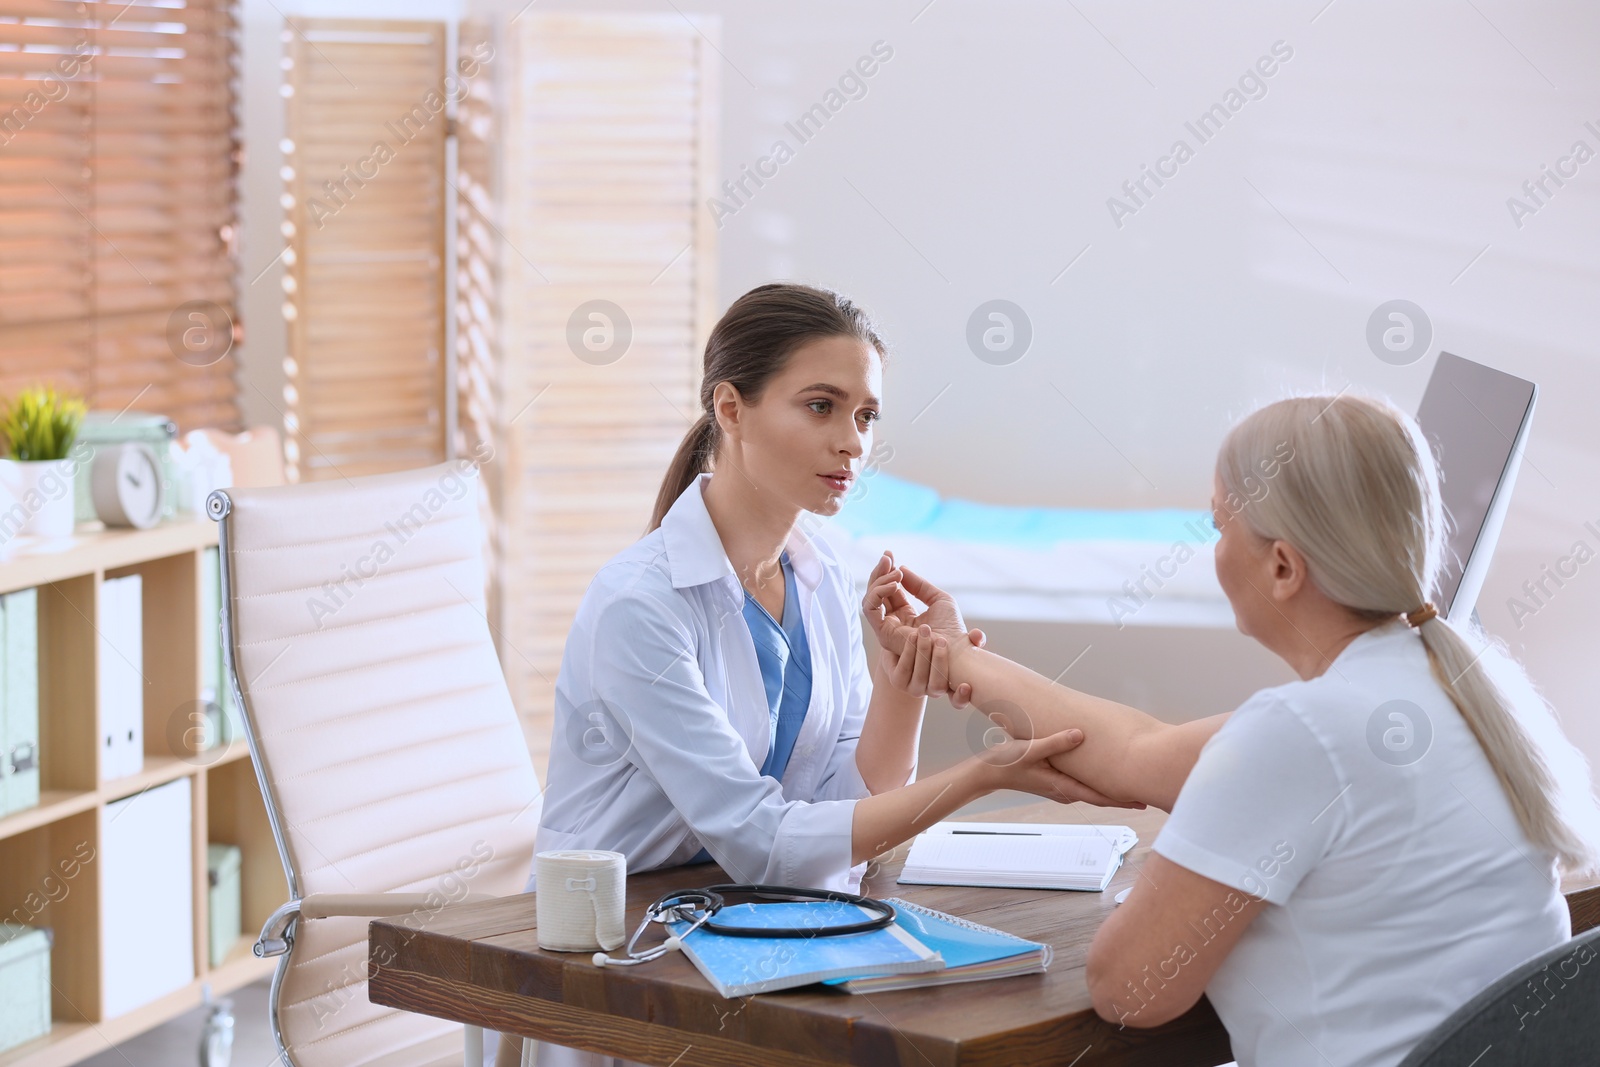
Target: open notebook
1017, 855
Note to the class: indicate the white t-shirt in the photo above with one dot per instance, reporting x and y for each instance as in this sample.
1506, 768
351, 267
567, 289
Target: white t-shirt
1398, 883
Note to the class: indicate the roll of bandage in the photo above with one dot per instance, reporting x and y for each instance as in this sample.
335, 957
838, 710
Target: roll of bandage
579, 900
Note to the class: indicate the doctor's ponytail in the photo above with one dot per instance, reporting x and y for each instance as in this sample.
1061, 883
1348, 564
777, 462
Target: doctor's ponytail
692, 459
747, 347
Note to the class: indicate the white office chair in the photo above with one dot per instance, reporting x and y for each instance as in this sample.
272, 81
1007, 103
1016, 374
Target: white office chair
395, 772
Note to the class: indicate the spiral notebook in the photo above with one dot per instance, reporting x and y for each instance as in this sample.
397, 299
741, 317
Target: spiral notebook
739, 966
1017, 855
972, 952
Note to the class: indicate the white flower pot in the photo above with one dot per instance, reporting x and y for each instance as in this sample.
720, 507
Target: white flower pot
36, 498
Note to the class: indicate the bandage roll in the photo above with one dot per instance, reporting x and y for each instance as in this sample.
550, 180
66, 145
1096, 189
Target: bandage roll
579, 900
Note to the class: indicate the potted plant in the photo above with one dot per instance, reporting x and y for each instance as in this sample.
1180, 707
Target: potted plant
37, 431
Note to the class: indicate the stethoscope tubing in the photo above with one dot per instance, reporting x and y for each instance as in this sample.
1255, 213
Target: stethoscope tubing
698, 907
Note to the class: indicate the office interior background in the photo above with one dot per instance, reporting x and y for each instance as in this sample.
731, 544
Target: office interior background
1178, 212
987, 159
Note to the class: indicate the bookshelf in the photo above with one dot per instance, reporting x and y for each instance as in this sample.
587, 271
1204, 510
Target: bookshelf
40, 845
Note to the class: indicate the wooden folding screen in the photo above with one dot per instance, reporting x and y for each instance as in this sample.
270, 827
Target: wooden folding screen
609, 159
364, 281
478, 276
118, 157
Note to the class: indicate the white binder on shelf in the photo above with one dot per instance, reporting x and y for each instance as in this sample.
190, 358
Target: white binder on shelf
147, 896
121, 688
19, 702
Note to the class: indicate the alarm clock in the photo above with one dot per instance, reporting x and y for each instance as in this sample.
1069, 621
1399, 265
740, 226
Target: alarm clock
125, 484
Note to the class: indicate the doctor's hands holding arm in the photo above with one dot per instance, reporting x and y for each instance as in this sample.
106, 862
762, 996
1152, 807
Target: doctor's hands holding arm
919, 666
1127, 758
902, 680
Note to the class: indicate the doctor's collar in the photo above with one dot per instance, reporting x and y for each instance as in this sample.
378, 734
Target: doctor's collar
695, 554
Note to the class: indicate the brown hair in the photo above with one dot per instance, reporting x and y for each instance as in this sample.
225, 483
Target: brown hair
747, 347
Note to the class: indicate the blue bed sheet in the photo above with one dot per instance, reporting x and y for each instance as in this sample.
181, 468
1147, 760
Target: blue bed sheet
880, 503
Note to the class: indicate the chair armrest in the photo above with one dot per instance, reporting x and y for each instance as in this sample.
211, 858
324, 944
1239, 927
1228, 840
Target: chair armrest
275, 939
375, 905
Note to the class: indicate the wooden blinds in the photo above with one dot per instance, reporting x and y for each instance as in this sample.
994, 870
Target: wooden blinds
117, 198
364, 280
609, 291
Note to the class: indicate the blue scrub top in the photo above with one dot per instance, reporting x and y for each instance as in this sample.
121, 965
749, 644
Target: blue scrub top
785, 659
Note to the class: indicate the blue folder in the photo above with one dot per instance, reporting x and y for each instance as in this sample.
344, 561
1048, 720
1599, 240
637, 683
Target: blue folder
971, 951
739, 966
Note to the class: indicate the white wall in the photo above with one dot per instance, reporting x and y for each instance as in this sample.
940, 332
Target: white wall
979, 163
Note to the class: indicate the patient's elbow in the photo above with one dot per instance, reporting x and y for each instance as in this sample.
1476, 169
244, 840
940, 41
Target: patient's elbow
1135, 999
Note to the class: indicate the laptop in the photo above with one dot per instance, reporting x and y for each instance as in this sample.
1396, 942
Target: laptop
1476, 418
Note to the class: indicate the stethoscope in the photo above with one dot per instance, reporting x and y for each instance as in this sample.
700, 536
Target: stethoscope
698, 908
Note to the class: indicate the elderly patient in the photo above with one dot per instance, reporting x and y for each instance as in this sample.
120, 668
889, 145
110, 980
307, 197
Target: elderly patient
1351, 856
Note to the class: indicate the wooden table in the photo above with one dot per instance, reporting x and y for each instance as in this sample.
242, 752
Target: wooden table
481, 964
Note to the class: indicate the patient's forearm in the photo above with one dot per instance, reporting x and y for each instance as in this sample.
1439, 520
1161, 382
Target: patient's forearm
1125, 754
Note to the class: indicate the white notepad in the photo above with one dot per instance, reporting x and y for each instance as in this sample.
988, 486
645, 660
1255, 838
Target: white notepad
1018, 855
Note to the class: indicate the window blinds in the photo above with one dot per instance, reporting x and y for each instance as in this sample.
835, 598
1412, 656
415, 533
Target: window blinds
118, 157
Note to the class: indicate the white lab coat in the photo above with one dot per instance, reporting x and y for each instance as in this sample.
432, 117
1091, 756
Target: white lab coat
662, 721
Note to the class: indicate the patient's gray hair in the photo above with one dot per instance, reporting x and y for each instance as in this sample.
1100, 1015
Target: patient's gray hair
1360, 501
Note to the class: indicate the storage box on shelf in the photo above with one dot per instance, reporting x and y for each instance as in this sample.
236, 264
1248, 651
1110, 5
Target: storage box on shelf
226, 896
63, 860
24, 984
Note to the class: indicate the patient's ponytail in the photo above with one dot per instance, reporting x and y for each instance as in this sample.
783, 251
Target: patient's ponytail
1358, 496
748, 345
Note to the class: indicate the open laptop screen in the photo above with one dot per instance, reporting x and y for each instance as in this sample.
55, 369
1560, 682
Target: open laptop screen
1476, 419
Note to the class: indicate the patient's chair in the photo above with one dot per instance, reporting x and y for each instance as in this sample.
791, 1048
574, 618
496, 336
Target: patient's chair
394, 770
1542, 1012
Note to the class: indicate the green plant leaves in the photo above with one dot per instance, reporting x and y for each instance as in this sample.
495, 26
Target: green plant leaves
39, 424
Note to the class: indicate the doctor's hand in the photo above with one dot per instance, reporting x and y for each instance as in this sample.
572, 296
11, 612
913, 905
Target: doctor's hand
1022, 764
922, 667
891, 614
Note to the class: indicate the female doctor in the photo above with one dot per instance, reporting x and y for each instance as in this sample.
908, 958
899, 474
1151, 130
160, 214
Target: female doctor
714, 700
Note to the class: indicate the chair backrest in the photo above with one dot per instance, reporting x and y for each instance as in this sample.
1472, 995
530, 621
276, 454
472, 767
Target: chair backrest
382, 731
1546, 1011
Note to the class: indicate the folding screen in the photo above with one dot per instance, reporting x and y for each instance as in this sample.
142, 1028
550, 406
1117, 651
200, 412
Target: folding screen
364, 281
609, 289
